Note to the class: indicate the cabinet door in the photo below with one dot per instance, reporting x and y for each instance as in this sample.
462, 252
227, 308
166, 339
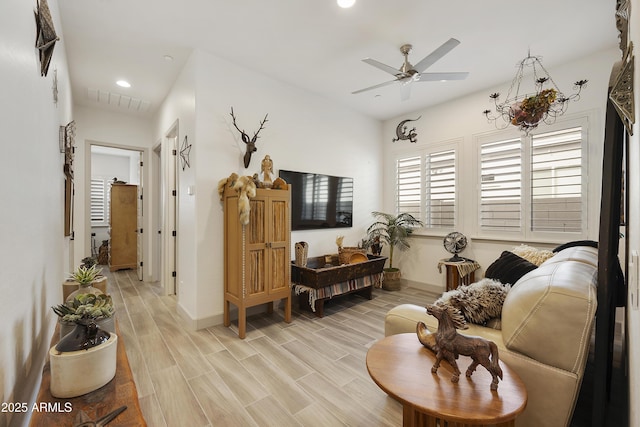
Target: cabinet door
256, 260
279, 258
124, 227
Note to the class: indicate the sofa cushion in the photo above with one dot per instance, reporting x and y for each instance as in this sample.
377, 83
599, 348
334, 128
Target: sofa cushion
509, 268
533, 255
479, 301
548, 314
589, 243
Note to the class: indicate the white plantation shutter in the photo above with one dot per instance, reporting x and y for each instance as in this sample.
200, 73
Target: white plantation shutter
426, 187
440, 186
500, 185
408, 186
556, 181
100, 201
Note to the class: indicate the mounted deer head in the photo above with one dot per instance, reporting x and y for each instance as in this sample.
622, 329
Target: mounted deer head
250, 143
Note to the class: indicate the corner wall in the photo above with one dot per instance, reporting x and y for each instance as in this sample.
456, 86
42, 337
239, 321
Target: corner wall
304, 132
33, 249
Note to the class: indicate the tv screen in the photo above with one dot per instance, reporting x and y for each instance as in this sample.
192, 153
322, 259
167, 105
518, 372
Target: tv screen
319, 201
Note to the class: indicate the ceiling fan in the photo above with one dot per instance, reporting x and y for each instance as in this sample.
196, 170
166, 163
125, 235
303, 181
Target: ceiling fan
408, 73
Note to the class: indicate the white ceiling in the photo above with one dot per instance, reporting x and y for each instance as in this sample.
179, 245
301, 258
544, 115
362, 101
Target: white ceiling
315, 45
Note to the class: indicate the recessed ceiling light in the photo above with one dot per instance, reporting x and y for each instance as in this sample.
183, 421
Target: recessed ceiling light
346, 3
168, 58
123, 83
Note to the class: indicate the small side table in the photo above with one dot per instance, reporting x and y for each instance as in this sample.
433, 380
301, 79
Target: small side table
459, 272
401, 366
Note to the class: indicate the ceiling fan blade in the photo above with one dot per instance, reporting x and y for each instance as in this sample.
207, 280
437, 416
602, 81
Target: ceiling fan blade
375, 86
384, 67
430, 59
434, 77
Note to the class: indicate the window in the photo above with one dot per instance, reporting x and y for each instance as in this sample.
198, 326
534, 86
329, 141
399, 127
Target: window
100, 190
426, 187
545, 191
556, 181
500, 185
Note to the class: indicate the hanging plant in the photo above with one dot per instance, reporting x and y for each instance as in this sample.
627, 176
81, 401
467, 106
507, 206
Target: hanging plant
532, 109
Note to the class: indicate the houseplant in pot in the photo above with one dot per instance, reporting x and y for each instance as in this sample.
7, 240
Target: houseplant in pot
392, 230
86, 277
86, 306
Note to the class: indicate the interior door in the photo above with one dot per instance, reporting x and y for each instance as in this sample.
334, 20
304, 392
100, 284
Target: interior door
139, 228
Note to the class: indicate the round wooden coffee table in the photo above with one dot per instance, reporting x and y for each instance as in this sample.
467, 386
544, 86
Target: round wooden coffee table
401, 366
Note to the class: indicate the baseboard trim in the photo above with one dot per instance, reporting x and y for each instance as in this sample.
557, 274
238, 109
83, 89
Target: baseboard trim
214, 320
435, 289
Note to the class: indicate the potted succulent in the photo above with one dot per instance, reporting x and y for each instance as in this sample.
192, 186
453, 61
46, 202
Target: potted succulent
86, 277
392, 230
83, 307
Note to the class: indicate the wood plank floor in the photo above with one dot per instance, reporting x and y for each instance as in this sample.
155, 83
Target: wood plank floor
310, 372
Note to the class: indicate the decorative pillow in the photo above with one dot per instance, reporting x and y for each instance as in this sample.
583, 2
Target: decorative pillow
509, 268
478, 302
533, 255
590, 243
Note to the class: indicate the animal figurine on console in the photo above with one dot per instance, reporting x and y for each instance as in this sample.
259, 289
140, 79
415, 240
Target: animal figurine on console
450, 344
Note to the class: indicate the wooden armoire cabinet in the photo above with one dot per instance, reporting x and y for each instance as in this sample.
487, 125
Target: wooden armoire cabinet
257, 260
123, 227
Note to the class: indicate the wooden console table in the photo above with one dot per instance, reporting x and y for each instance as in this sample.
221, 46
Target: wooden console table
121, 390
401, 366
320, 280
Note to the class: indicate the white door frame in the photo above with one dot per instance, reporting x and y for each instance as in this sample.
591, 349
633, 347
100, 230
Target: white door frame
169, 178
143, 155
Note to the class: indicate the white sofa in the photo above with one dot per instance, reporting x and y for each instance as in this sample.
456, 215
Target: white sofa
547, 321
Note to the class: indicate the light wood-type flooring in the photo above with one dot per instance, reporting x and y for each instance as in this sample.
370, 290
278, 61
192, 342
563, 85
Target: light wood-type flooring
310, 372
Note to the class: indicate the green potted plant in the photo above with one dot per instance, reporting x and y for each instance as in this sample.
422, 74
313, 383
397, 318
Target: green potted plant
392, 230
86, 277
86, 306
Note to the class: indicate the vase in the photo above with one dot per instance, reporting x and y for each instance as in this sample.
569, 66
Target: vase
99, 288
87, 363
302, 249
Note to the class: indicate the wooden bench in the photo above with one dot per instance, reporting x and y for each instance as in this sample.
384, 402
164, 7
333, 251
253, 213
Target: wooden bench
120, 391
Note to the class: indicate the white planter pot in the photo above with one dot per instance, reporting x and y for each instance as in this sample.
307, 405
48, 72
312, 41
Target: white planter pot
75, 373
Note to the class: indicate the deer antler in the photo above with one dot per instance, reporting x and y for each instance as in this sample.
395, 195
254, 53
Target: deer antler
245, 137
251, 143
255, 135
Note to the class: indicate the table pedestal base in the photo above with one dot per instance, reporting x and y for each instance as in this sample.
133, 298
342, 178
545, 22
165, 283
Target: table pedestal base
412, 417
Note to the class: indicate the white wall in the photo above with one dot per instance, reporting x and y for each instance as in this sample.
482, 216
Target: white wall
633, 176
463, 120
33, 249
108, 166
101, 127
304, 132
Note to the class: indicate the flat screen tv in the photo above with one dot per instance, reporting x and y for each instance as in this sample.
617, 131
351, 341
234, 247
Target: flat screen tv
319, 201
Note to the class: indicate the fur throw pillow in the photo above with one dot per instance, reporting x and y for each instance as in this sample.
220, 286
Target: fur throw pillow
533, 255
478, 302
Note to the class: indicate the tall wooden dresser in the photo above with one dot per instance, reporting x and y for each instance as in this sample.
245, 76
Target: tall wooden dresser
123, 227
257, 260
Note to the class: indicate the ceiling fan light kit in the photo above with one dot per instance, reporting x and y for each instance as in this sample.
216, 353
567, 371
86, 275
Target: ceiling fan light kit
527, 111
408, 73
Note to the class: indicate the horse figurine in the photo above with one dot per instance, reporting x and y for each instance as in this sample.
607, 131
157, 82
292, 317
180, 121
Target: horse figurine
450, 344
